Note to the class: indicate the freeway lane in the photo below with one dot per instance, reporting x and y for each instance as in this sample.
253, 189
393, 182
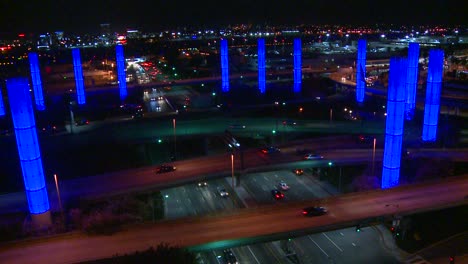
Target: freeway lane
209, 167
241, 224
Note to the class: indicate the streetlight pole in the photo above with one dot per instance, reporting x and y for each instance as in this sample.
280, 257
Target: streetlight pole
373, 156
331, 115
175, 137
72, 117
58, 194
232, 169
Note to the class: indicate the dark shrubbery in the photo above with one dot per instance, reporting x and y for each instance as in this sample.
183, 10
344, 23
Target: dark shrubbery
163, 254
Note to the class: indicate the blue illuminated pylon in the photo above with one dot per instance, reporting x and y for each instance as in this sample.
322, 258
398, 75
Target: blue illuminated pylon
122, 76
411, 80
261, 65
297, 65
394, 123
36, 80
80, 93
2, 106
28, 145
224, 66
434, 84
361, 71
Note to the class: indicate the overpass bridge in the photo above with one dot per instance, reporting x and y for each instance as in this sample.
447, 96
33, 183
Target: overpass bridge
244, 226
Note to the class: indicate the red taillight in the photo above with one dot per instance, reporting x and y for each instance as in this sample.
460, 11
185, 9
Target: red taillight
282, 195
277, 196
304, 212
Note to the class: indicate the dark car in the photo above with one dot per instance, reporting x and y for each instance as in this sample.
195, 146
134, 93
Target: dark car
314, 211
165, 168
82, 122
303, 151
298, 171
313, 156
237, 126
277, 194
270, 150
365, 139
229, 257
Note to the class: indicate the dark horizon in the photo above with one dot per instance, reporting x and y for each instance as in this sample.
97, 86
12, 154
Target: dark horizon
86, 16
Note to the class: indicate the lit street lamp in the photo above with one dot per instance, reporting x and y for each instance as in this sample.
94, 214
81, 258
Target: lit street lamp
58, 194
175, 138
373, 156
232, 169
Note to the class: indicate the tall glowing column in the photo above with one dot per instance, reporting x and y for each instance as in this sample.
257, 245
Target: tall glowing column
297, 65
2, 106
261, 65
119, 52
361, 71
394, 123
28, 149
434, 83
224, 66
80, 94
411, 80
36, 80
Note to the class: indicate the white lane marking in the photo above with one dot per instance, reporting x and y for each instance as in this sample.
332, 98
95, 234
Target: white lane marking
251, 252
353, 244
332, 242
341, 234
319, 247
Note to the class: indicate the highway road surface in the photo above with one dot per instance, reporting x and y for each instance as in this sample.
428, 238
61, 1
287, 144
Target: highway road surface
243, 225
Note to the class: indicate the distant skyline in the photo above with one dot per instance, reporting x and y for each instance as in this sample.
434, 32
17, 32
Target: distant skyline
85, 16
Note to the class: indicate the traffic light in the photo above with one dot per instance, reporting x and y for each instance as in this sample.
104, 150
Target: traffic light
452, 259
330, 163
159, 141
273, 131
392, 229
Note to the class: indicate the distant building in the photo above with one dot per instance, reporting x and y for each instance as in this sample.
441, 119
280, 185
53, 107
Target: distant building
133, 34
44, 41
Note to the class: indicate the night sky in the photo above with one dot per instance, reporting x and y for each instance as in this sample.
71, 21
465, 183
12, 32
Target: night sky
85, 16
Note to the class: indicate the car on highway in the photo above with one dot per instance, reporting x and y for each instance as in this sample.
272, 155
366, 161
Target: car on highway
314, 211
270, 150
202, 184
82, 122
283, 186
223, 192
229, 257
364, 139
303, 151
137, 115
298, 171
312, 156
237, 126
277, 194
165, 168
289, 122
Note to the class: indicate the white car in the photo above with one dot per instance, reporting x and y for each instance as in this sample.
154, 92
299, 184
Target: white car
283, 186
311, 156
223, 192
